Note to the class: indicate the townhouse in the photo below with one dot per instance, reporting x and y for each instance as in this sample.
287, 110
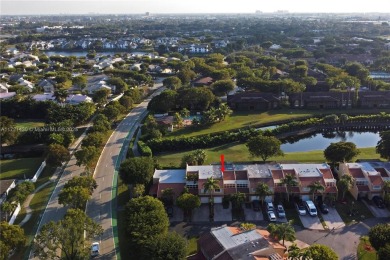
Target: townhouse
244, 178
368, 177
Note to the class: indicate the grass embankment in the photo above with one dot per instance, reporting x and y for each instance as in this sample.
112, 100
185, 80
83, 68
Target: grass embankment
365, 251
28, 124
19, 168
238, 152
251, 118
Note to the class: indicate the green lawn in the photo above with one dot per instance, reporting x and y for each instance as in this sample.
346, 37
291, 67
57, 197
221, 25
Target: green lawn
251, 118
18, 168
238, 152
365, 251
29, 123
192, 246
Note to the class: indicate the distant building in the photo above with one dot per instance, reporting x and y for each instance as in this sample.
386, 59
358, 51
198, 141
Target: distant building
7, 95
246, 101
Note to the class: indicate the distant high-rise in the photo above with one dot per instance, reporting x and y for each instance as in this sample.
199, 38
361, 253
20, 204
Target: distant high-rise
258, 12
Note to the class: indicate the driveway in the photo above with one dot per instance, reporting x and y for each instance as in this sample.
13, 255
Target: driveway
377, 212
221, 214
311, 222
333, 219
201, 214
251, 215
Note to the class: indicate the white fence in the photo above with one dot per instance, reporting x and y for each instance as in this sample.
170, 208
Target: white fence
14, 215
39, 171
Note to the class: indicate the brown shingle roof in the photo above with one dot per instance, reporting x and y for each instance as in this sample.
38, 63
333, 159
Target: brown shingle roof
376, 180
356, 172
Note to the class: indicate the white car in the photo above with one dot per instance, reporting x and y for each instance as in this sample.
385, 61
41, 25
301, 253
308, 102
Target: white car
95, 249
271, 216
280, 211
270, 206
300, 208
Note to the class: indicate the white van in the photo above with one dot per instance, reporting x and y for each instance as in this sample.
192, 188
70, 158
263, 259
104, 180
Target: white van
311, 208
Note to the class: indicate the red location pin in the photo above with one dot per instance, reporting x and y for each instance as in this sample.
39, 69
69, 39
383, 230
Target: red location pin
222, 163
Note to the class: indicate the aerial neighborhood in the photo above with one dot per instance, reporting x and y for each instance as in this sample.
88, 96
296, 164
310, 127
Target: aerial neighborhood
199, 136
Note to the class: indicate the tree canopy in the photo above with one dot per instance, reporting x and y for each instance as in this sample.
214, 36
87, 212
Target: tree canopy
341, 152
12, 238
320, 252
138, 170
57, 154
383, 146
171, 246
264, 147
8, 133
379, 235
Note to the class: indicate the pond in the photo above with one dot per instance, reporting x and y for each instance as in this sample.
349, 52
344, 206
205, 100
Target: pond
320, 141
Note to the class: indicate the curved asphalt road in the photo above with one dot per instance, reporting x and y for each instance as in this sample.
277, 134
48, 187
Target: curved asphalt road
99, 207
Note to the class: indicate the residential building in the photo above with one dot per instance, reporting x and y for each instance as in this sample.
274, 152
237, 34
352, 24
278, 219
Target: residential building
253, 101
7, 95
205, 81
194, 48
244, 178
47, 85
374, 99
234, 243
5, 187
4, 88
321, 100
368, 177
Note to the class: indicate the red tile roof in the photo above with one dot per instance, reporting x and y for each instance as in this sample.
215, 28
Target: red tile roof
331, 189
363, 188
327, 173
376, 180
356, 172
383, 172
277, 174
241, 175
254, 181
228, 175
280, 189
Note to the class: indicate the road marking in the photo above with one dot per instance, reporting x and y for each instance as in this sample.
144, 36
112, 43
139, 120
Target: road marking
100, 195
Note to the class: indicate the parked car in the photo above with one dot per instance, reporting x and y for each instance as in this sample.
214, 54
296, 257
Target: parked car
280, 211
311, 208
95, 249
300, 208
270, 206
324, 208
169, 211
271, 216
378, 202
256, 205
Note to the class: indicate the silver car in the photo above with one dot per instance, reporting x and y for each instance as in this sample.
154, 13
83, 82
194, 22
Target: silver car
95, 249
280, 211
271, 216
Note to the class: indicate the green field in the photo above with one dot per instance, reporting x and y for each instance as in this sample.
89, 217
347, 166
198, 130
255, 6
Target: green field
238, 152
365, 250
19, 168
245, 119
30, 123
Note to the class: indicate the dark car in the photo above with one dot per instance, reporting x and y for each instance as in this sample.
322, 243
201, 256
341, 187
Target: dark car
169, 211
324, 208
378, 202
256, 205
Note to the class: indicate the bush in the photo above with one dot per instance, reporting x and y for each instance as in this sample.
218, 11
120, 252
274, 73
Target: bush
144, 150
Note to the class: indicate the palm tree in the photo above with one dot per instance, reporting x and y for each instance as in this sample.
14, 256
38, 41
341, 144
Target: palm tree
210, 186
316, 187
294, 252
345, 183
60, 95
289, 180
237, 200
284, 231
262, 190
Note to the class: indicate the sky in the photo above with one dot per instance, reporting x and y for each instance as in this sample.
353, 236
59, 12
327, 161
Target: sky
20, 7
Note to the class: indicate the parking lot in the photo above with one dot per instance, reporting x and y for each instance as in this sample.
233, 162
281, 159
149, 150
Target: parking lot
251, 215
333, 219
311, 222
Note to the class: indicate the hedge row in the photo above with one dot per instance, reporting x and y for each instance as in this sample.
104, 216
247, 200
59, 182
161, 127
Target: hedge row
144, 150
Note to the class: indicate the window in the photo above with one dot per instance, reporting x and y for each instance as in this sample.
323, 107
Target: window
192, 186
229, 186
376, 187
361, 183
242, 185
217, 190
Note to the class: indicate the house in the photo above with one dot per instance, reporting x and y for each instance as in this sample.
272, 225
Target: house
7, 95
233, 243
77, 99
244, 178
374, 99
44, 97
47, 85
194, 48
253, 101
368, 177
3, 88
321, 100
205, 81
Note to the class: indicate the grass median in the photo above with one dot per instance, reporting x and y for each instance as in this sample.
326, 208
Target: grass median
19, 168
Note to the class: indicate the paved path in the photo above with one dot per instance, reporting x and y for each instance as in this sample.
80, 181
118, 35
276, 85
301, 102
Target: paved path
102, 205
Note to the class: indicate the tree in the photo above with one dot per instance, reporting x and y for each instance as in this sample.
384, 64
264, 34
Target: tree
146, 220
264, 147
138, 190
316, 187
294, 252
87, 182
12, 238
111, 112
379, 235
68, 238
188, 202
126, 102
320, 252
341, 152
167, 196
138, 170
164, 102
80, 81
60, 95
172, 83
120, 85
171, 246
8, 208
284, 231
86, 155
8, 133
386, 192
177, 120
262, 190
344, 184
75, 197
56, 155
100, 96
93, 139
200, 156
210, 186
383, 146
222, 87
289, 180
247, 226
384, 252
237, 200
